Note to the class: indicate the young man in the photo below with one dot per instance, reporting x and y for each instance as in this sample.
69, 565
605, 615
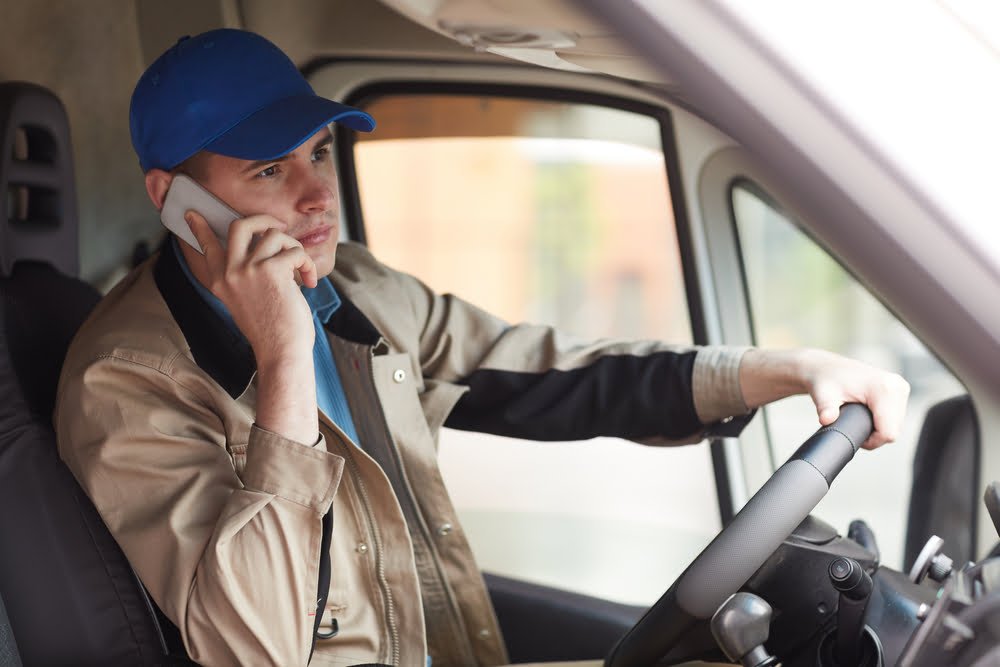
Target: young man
256, 422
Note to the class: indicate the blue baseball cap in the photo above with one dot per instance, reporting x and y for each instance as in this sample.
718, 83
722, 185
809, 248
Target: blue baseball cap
230, 92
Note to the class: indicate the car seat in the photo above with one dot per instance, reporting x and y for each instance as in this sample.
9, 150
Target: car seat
70, 596
8, 647
945, 495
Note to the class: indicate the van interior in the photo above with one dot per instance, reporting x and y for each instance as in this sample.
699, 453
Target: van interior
537, 158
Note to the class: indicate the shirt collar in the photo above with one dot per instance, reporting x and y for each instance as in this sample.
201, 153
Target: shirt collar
323, 299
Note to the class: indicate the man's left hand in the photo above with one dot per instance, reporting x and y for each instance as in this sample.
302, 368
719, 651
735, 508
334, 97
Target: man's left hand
831, 380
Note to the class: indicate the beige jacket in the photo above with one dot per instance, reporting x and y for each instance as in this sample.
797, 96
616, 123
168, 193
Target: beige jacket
238, 533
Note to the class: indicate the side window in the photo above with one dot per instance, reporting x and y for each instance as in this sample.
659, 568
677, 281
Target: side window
554, 213
799, 296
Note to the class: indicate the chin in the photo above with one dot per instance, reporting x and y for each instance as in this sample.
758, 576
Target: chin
324, 260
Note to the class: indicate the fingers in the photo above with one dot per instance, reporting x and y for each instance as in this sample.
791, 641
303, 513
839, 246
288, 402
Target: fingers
270, 243
307, 273
301, 264
257, 240
887, 402
243, 231
846, 381
275, 246
828, 402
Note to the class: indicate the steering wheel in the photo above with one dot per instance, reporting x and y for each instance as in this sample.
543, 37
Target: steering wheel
739, 550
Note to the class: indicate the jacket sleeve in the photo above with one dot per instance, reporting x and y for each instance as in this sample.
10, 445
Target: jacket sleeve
533, 382
229, 551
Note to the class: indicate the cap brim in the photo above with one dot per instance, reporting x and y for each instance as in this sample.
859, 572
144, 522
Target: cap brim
285, 125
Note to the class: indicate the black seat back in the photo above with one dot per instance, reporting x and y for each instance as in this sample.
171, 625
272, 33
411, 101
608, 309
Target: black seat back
8, 647
71, 597
946, 494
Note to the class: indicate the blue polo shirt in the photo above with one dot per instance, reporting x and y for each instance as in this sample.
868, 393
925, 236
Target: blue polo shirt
323, 301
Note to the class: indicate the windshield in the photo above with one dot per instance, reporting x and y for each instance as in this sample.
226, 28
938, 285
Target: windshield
918, 80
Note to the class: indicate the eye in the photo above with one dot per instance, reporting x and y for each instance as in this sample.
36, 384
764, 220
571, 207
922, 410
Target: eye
267, 172
321, 153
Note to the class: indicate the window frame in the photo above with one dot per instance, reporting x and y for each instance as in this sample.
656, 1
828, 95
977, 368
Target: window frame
752, 187
354, 215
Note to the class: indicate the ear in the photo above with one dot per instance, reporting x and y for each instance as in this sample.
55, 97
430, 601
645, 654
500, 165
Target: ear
157, 184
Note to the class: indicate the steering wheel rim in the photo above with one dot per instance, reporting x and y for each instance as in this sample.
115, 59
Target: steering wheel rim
742, 546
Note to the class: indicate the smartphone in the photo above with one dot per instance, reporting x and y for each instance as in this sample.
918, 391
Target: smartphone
186, 195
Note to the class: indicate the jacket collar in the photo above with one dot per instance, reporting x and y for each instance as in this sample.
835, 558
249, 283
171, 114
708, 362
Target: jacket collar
217, 349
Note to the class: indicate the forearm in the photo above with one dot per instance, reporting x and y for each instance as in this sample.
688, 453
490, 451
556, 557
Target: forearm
256, 278
221, 520
257, 576
530, 382
286, 397
769, 375
256, 579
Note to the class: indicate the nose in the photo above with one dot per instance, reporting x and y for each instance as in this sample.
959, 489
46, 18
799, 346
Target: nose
318, 194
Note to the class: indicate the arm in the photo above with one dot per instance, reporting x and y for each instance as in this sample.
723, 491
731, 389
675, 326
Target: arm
228, 542
530, 381
534, 382
255, 277
229, 552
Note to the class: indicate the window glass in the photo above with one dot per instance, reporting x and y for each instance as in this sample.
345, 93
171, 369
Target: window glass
799, 296
553, 213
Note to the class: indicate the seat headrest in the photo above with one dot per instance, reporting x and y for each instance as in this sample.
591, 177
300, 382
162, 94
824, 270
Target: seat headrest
38, 215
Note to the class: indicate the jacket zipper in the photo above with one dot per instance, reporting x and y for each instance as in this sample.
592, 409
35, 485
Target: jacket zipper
390, 612
405, 495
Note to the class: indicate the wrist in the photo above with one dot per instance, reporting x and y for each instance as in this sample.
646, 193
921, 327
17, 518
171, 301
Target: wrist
292, 360
286, 397
805, 368
769, 375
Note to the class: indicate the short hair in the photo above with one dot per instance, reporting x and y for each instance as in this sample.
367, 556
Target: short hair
195, 166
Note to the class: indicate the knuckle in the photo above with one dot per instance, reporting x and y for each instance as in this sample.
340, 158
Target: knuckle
892, 385
230, 279
883, 384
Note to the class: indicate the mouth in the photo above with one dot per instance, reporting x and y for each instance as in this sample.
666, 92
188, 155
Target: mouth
315, 236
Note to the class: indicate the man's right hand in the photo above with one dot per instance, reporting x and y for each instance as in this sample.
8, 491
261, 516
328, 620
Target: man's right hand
257, 277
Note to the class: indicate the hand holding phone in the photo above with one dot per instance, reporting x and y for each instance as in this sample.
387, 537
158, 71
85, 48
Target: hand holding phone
184, 195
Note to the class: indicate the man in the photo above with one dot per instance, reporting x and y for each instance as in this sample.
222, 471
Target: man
257, 426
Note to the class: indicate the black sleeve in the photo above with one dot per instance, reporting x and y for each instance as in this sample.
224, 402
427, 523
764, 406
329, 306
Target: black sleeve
626, 396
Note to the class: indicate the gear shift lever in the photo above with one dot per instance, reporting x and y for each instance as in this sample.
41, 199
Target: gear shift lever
855, 587
741, 626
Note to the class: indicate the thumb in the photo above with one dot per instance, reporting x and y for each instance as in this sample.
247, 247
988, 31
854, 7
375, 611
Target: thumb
202, 233
827, 406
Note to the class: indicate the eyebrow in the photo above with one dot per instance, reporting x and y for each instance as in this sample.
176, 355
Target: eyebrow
260, 164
